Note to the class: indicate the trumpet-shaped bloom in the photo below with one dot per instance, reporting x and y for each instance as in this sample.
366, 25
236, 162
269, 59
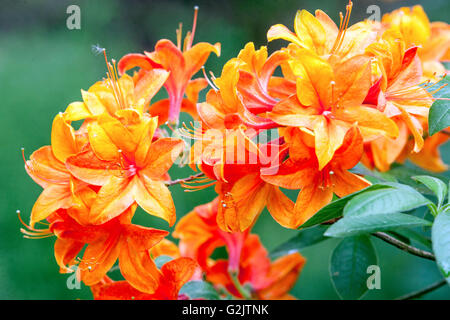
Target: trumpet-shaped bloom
104, 244
433, 39
200, 235
302, 171
234, 161
400, 95
173, 275
329, 101
114, 94
128, 166
320, 34
267, 280
46, 167
245, 90
429, 157
182, 63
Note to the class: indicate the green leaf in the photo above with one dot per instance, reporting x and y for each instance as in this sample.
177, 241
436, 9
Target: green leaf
439, 115
348, 266
197, 289
162, 260
434, 184
440, 235
368, 223
335, 208
392, 200
304, 238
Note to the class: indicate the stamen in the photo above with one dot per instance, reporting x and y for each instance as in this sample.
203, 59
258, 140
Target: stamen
343, 26
179, 35
112, 77
211, 84
190, 188
32, 233
194, 26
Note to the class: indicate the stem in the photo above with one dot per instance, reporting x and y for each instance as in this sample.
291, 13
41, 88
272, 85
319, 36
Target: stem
177, 181
419, 293
403, 246
242, 291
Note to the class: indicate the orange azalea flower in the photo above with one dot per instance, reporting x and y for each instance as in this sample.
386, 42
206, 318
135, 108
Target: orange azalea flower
173, 275
104, 244
244, 90
200, 235
329, 101
128, 166
302, 171
233, 162
320, 34
428, 157
46, 167
183, 63
400, 95
267, 280
114, 94
433, 39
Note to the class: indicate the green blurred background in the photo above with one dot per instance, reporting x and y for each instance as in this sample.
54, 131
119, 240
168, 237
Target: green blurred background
43, 66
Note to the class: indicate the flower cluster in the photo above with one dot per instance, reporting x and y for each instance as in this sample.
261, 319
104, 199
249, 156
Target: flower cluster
299, 118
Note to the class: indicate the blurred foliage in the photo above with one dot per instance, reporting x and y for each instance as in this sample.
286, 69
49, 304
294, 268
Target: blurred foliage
43, 65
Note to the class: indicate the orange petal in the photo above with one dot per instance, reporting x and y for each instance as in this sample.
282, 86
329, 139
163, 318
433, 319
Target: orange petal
196, 56
113, 198
291, 175
63, 139
283, 274
289, 112
148, 128
314, 80
52, 198
76, 111
345, 183
415, 127
370, 121
65, 253
165, 248
310, 31
175, 274
93, 103
90, 169
45, 169
133, 60
149, 84
242, 204
143, 237
329, 136
429, 157
351, 150
161, 156
138, 268
279, 31
103, 147
280, 207
310, 200
354, 81
118, 290
155, 198
118, 133
98, 258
